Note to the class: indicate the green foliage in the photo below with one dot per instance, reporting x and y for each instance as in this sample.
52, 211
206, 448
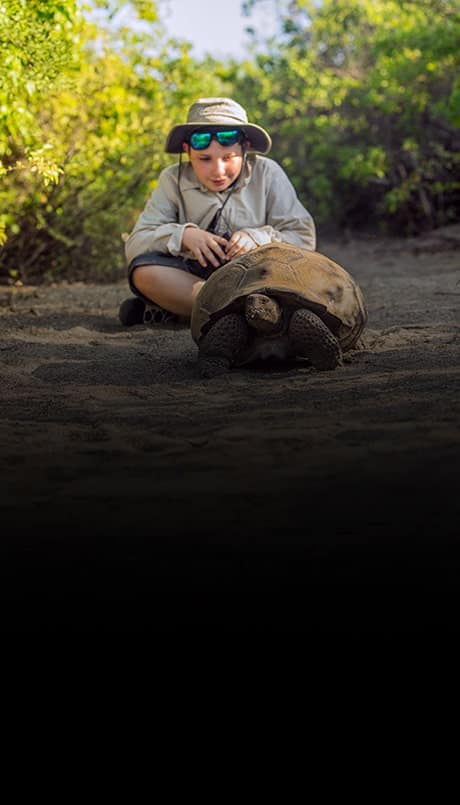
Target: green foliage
98, 147
363, 100
361, 97
38, 54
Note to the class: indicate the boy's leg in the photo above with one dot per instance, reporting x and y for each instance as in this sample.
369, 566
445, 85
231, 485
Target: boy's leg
168, 287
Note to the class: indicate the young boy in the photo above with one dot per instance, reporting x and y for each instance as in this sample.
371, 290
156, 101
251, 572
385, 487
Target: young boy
224, 201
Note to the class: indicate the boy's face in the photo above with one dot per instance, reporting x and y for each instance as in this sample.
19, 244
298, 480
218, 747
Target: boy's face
217, 166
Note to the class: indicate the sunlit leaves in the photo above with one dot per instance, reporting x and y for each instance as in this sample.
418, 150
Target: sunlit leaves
39, 55
84, 150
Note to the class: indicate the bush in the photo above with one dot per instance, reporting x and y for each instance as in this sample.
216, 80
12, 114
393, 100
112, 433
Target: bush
99, 131
362, 98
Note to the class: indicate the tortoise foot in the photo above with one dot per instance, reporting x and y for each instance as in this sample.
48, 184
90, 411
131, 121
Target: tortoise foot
222, 344
312, 339
212, 367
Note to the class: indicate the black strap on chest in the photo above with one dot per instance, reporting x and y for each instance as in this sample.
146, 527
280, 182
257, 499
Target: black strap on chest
216, 218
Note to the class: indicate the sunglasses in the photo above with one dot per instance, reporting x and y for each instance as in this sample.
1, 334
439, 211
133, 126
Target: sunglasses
201, 139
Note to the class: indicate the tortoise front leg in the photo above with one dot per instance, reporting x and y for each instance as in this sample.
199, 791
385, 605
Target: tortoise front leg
221, 345
311, 338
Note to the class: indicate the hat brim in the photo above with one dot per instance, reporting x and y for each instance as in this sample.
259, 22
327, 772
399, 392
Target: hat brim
257, 136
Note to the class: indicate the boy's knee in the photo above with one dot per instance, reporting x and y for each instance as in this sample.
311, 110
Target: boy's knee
145, 277
143, 272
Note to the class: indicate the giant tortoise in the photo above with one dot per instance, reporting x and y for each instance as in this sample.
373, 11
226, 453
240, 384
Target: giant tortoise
278, 301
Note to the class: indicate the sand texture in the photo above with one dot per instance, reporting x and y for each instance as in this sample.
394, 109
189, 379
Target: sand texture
138, 496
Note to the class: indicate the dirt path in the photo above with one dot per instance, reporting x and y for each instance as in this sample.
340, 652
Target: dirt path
136, 491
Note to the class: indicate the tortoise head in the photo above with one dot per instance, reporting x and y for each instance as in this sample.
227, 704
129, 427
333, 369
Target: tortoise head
263, 313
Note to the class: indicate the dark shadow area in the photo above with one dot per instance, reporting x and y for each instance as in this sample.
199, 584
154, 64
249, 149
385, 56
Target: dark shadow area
367, 546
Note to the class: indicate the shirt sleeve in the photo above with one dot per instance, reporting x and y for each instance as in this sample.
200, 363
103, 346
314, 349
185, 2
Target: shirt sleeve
157, 228
286, 218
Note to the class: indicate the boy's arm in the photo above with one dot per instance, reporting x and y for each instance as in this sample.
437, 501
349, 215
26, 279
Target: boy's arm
157, 228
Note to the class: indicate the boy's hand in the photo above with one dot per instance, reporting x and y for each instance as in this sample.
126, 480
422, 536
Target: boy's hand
205, 247
239, 243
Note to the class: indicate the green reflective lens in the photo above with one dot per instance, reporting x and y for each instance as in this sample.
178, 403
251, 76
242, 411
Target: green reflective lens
227, 137
201, 139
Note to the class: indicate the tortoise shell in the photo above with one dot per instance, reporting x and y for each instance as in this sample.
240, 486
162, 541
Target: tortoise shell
295, 277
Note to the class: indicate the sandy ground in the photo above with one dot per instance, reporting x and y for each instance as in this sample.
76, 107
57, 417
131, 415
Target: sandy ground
138, 497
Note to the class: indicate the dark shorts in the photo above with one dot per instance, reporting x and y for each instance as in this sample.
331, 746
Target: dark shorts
161, 259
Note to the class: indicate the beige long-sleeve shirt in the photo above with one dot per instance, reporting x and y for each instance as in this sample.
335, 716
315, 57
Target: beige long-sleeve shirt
264, 204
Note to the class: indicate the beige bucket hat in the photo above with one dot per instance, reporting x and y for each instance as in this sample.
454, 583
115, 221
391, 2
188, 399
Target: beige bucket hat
206, 112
